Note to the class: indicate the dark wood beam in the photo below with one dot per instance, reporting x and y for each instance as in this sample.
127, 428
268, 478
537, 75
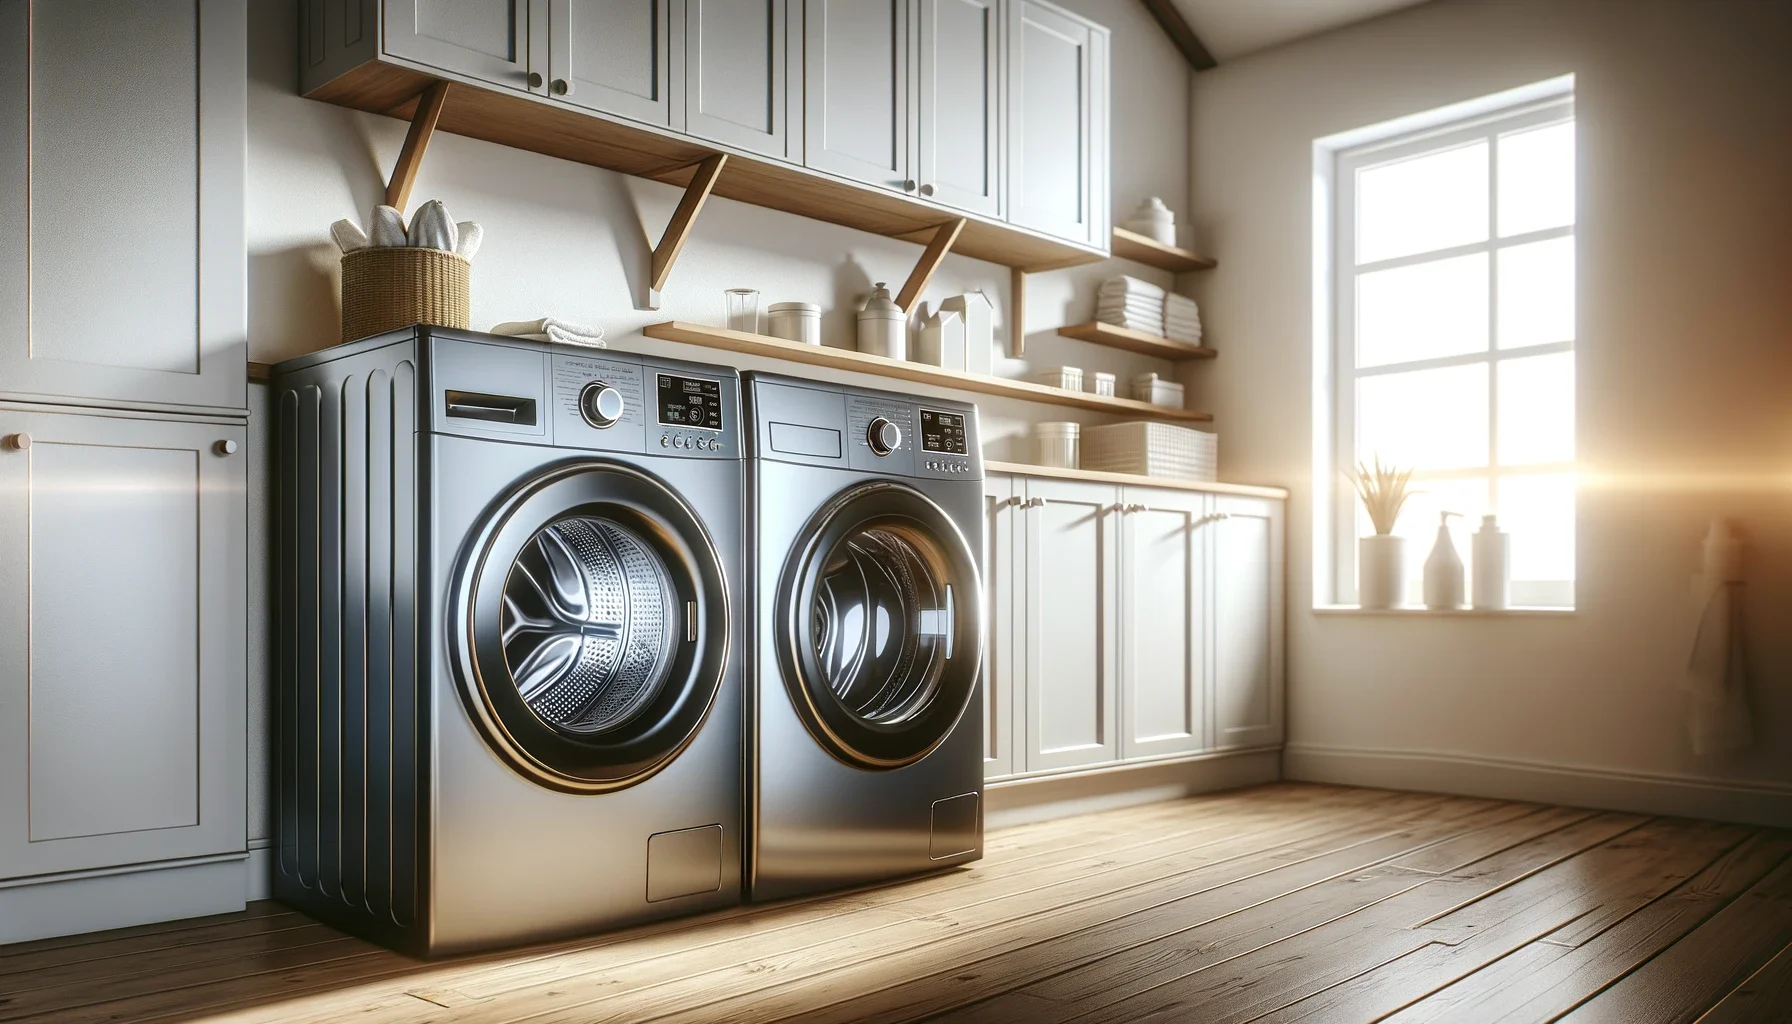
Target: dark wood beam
1177, 28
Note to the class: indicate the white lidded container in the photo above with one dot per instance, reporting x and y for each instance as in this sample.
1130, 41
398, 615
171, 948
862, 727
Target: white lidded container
1070, 378
1152, 449
1102, 383
941, 341
794, 321
979, 330
883, 326
1154, 220
1149, 387
1057, 443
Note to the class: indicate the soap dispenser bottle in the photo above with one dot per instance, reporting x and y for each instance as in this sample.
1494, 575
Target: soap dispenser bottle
1492, 553
1443, 570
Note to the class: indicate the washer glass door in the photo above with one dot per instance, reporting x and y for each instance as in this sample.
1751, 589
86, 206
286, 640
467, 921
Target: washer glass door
883, 628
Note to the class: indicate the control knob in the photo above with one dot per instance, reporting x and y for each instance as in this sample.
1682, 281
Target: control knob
600, 404
883, 436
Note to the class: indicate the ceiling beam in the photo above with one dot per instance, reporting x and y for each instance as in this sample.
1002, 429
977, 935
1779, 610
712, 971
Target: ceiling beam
1177, 28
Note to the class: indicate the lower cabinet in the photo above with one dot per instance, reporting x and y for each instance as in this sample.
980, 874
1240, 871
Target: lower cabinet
122, 636
1129, 623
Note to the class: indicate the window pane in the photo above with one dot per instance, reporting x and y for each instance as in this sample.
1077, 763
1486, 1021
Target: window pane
1537, 179
1537, 409
1425, 203
1422, 311
1424, 419
1538, 511
1537, 293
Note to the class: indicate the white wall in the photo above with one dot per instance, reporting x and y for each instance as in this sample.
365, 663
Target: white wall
1685, 392
568, 240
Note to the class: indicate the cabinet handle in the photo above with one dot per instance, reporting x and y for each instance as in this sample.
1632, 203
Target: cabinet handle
1010, 502
927, 190
1035, 502
225, 447
909, 185
18, 442
562, 87
534, 79
1138, 508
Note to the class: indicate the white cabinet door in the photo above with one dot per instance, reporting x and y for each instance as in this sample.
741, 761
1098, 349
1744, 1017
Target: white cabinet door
122, 641
1246, 550
483, 39
856, 90
1072, 583
616, 56
122, 259
958, 124
1163, 616
1004, 578
1057, 122
738, 56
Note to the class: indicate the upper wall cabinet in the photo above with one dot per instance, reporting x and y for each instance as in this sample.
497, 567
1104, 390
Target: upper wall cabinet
958, 138
1057, 122
617, 56
487, 39
856, 79
121, 201
737, 67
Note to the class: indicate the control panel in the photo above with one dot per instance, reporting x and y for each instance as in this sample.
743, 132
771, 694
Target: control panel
611, 401
690, 413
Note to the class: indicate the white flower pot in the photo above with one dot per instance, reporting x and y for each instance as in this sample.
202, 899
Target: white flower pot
1381, 571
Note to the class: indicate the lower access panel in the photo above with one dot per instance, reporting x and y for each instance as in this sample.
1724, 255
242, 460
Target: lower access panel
955, 827
684, 863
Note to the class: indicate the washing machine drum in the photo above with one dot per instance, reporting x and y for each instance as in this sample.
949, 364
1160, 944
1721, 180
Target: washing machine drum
595, 626
882, 626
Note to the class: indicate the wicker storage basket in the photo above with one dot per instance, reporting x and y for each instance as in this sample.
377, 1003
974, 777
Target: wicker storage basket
388, 287
1152, 449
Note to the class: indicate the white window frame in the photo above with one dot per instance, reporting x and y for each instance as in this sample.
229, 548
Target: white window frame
1338, 164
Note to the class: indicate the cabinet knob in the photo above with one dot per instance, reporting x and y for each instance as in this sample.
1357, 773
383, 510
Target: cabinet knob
225, 447
909, 185
927, 190
562, 87
18, 442
534, 79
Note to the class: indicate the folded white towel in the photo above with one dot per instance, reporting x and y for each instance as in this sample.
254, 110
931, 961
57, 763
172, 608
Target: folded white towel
468, 235
432, 228
388, 227
348, 235
1130, 286
560, 332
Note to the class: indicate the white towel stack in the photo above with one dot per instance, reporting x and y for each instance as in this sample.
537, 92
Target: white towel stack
1131, 303
1182, 319
431, 228
560, 332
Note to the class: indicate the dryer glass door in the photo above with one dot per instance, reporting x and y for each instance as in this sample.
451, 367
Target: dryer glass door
883, 628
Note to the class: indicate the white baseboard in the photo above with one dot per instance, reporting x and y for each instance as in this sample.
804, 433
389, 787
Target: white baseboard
1018, 801
43, 908
1540, 782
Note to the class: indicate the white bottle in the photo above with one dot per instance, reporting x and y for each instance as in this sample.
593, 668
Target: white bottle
1443, 570
1493, 565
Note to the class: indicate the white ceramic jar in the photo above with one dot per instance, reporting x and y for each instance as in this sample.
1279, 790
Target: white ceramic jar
1058, 443
883, 326
795, 321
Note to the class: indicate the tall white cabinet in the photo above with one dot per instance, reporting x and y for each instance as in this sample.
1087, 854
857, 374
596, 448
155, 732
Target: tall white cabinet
123, 405
1130, 624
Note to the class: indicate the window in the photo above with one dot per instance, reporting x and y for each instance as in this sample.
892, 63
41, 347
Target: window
1453, 295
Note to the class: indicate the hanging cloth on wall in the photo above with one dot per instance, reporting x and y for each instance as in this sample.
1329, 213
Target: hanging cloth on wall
1716, 681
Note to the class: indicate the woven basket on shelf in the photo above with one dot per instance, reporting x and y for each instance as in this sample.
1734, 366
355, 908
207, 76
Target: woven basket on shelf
385, 288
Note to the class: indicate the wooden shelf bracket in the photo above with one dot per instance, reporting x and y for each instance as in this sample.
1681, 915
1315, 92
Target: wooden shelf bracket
678, 230
1017, 313
416, 141
943, 237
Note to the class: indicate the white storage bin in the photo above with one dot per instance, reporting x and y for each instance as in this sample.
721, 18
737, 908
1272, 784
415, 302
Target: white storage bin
1151, 449
1103, 384
1057, 444
1070, 378
795, 321
1149, 387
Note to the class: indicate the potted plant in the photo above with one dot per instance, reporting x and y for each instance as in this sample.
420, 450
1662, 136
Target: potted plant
1381, 558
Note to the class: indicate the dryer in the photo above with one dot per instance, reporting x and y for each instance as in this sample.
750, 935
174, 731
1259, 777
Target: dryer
865, 753
509, 605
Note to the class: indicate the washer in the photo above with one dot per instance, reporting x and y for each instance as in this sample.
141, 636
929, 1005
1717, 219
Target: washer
864, 723
509, 703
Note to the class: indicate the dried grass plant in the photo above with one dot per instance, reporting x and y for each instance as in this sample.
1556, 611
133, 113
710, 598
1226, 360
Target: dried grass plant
1384, 490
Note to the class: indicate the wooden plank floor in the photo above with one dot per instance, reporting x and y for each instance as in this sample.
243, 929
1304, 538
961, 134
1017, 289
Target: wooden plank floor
1277, 904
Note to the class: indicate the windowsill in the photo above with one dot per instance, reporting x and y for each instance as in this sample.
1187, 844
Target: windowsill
1444, 613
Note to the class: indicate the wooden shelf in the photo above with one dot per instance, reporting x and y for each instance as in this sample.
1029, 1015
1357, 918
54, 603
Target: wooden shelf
1136, 341
1133, 480
918, 373
1133, 246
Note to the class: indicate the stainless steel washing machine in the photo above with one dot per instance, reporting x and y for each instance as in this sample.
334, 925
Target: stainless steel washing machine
863, 718
509, 610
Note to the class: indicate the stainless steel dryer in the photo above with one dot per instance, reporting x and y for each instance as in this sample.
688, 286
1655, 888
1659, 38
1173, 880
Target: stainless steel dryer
509, 606
864, 727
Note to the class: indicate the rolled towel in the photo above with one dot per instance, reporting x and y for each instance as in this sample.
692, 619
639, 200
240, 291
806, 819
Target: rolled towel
348, 236
388, 227
432, 228
560, 332
468, 236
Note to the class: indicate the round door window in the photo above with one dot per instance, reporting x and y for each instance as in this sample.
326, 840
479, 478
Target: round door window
884, 626
593, 626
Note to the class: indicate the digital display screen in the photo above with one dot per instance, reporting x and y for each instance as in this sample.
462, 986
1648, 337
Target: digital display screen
942, 432
690, 402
